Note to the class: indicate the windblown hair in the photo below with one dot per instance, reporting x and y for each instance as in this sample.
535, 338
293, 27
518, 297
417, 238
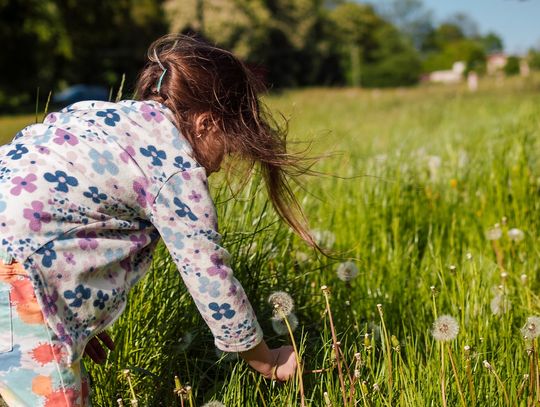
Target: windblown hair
202, 78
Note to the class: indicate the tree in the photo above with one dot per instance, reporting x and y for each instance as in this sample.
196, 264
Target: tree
512, 66
492, 43
373, 52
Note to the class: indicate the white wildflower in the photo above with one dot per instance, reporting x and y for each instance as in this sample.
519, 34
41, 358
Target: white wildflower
324, 238
445, 328
282, 303
469, 256
531, 329
524, 279
487, 365
494, 233
434, 163
516, 235
280, 327
347, 271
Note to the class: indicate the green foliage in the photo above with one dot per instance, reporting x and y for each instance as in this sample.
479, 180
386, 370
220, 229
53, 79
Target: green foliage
373, 53
469, 51
49, 43
534, 59
512, 66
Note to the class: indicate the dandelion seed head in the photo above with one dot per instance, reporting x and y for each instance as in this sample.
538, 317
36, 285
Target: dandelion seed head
324, 238
280, 327
487, 365
531, 329
301, 257
452, 268
185, 341
524, 279
494, 233
500, 304
282, 303
516, 235
445, 328
214, 403
469, 256
347, 271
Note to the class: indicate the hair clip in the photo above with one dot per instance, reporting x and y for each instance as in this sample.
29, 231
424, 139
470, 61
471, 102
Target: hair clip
163, 73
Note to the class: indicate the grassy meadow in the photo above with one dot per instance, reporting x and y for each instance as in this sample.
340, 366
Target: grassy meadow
422, 190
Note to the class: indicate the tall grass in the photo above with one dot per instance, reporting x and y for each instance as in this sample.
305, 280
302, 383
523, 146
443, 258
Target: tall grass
417, 178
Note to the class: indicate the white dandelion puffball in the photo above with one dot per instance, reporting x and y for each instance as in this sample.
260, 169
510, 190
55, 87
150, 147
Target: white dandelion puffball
516, 235
347, 271
301, 257
434, 163
324, 238
214, 403
280, 327
445, 328
230, 357
494, 233
531, 329
185, 341
500, 304
282, 303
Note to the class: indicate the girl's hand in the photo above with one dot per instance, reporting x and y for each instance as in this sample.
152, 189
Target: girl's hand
285, 366
94, 349
277, 364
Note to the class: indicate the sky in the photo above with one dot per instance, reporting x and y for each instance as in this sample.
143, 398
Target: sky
517, 22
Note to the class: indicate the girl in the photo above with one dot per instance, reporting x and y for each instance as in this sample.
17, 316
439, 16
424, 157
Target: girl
86, 195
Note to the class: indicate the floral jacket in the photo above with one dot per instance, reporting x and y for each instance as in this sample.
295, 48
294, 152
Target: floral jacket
85, 197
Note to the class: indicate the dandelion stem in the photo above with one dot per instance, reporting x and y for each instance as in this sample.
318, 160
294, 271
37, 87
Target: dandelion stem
443, 386
335, 344
468, 371
297, 355
388, 351
460, 391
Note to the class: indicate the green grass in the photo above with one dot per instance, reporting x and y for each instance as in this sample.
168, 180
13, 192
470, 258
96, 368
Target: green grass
415, 178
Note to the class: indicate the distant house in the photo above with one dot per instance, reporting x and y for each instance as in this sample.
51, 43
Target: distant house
453, 75
495, 63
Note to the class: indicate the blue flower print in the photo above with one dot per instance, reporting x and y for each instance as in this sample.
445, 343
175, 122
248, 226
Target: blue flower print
176, 238
210, 287
157, 155
94, 194
184, 210
179, 163
3, 204
62, 180
101, 299
18, 152
48, 253
223, 310
103, 162
78, 296
110, 115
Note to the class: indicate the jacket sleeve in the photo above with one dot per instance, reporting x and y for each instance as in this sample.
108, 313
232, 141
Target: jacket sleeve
184, 215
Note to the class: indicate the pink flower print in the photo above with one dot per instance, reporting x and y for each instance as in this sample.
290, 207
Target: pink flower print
150, 113
195, 196
63, 136
70, 258
218, 267
87, 240
51, 118
137, 242
233, 290
36, 215
186, 175
126, 155
143, 197
43, 150
26, 183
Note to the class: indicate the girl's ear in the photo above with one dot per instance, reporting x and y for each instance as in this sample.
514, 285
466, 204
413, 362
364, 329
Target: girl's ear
204, 124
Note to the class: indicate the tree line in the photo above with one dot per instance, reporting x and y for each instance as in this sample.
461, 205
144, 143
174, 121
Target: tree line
50, 44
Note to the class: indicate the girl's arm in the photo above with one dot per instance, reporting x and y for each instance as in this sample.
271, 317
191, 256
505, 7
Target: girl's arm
278, 364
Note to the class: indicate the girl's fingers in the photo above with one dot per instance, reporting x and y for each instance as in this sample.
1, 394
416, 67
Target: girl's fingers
106, 339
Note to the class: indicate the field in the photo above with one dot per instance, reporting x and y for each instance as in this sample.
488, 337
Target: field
423, 190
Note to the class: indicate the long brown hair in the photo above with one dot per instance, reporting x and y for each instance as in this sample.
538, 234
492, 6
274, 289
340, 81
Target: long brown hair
202, 78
